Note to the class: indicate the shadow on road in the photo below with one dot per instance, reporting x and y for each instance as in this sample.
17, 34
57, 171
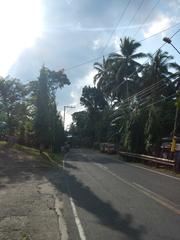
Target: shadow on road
68, 165
19, 167
86, 199
92, 156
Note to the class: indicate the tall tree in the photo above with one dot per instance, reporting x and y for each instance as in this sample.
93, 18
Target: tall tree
94, 101
12, 103
126, 64
48, 83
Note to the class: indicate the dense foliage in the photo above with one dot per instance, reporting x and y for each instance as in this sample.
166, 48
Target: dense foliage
132, 104
28, 112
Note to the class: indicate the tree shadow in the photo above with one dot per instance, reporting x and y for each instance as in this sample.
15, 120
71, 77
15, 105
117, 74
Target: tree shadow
76, 155
68, 165
17, 167
88, 200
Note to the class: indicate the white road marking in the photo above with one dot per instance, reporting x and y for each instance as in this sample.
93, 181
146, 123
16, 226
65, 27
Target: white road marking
74, 210
77, 221
164, 202
144, 168
154, 171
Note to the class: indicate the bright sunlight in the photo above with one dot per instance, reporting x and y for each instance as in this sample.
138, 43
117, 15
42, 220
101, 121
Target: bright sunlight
20, 25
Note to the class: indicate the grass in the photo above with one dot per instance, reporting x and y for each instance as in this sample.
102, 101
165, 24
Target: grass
29, 150
25, 237
3, 143
53, 158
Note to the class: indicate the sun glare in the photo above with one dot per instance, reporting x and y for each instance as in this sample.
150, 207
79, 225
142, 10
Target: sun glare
21, 24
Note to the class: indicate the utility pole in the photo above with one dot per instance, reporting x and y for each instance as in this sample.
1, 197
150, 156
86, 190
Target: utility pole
173, 145
127, 85
64, 118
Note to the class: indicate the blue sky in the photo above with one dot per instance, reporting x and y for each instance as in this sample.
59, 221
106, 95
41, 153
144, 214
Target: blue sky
65, 33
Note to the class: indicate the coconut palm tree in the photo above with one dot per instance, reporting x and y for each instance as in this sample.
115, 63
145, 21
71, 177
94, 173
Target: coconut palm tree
126, 65
104, 77
101, 75
156, 71
176, 75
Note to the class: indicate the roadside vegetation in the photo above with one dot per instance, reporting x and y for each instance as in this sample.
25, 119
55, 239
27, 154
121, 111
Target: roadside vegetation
131, 104
28, 112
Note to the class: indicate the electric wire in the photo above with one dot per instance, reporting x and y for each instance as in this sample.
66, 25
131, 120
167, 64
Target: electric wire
142, 66
134, 16
147, 17
106, 55
114, 30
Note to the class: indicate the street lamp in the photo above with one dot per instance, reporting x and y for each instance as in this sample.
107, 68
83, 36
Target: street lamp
173, 145
65, 107
169, 41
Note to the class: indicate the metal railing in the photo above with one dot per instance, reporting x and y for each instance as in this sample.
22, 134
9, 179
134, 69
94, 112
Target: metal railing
157, 160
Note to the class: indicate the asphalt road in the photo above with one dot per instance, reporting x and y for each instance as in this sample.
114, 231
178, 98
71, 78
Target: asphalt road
109, 199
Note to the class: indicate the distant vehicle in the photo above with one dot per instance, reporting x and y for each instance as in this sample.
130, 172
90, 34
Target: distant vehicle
108, 148
102, 147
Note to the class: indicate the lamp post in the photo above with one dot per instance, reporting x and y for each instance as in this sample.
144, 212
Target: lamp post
173, 145
65, 107
169, 41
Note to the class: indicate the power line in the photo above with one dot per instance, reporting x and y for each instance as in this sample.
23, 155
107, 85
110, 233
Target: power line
155, 102
97, 58
161, 100
149, 105
132, 19
119, 20
143, 98
145, 20
144, 39
142, 66
144, 92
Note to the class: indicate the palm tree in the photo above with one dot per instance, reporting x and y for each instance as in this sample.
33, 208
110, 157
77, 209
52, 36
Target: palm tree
176, 75
126, 64
103, 78
157, 72
101, 75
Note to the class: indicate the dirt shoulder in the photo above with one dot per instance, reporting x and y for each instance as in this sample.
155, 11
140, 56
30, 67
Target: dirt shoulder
29, 206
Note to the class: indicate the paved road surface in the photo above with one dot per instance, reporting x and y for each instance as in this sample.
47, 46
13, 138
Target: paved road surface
103, 199
114, 200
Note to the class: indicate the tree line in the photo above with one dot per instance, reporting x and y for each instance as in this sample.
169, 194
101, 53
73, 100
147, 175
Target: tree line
131, 104
29, 112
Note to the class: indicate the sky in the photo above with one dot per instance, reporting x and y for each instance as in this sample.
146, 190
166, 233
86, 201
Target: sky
71, 34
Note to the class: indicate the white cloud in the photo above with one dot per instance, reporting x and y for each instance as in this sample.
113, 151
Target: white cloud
76, 94
97, 44
87, 80
162, 22
116, 42
174, 4
69, 2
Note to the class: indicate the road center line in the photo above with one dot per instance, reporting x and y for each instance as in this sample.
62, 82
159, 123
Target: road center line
164, 202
